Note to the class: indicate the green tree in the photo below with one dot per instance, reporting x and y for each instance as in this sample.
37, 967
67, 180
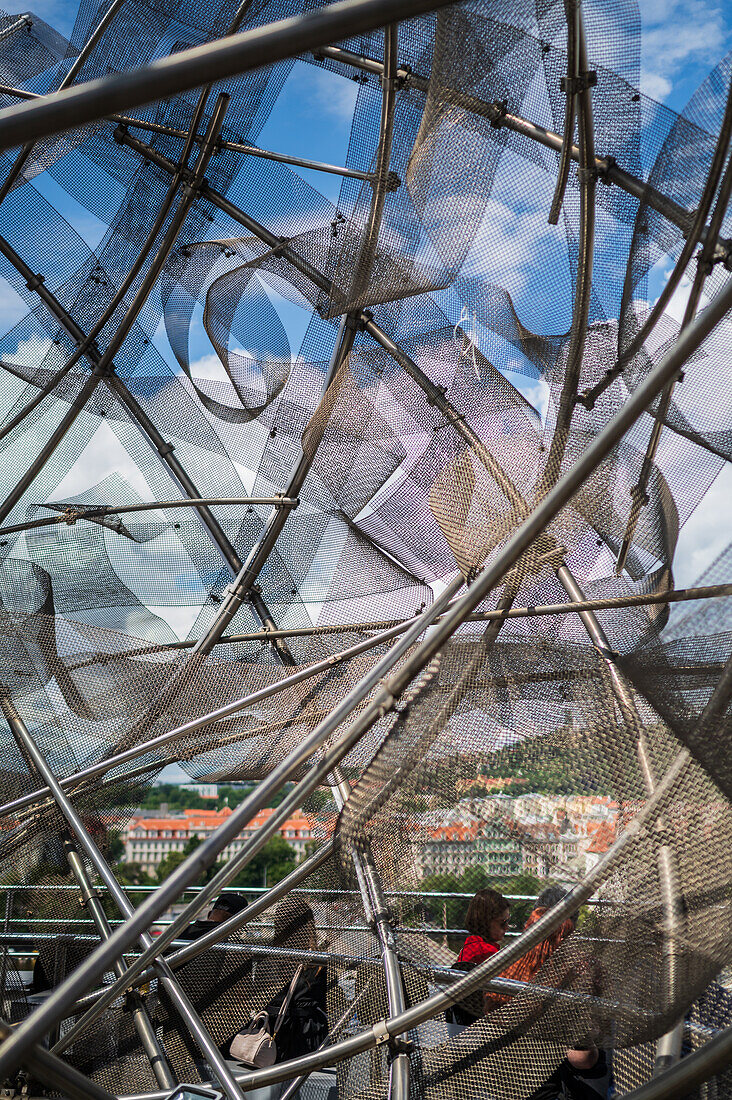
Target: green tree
115, 847
276, 859
174, 859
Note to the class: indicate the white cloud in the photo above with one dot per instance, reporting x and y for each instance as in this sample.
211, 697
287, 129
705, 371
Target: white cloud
102, 456
677, 34
30, 352
326, 92
209, 366
655, 86
12, 306
705, 535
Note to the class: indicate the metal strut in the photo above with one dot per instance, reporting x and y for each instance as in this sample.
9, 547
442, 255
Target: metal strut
140, 1019
497, 113
13, 1050
208, 1048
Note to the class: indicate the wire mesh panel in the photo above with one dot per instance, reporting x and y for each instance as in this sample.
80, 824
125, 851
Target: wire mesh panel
267, 426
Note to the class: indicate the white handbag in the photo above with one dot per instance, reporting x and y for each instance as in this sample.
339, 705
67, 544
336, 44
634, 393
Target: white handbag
255, 1046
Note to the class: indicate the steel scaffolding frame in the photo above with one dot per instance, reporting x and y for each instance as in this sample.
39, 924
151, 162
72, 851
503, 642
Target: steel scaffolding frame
378, 693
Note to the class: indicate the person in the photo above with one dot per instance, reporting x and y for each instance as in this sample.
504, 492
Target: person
487, 922
586, 1072
526, 968
305, 1025
225, 906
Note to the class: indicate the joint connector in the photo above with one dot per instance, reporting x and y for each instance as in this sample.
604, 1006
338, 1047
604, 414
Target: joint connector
106, 371
34, 282
586, 399
575, 85
386, 705
588, 175
166, 449
394, 84
70, 516
364, 319
120, 134
380, 1031
705, 266
384, 916
399, 1045
393, 182
499, 110
404, 76
605, 168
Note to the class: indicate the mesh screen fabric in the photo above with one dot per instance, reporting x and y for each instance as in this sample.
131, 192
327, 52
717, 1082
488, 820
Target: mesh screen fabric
395, 500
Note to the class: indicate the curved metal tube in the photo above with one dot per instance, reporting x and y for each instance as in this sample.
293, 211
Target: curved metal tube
583, 290
693, 237
572, 12
12, 1051
703, 269
259, 553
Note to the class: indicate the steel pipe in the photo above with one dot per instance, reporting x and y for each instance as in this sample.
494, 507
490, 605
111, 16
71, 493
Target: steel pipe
243, 586
651, 599
191, 68
140, 1019
72, 514
102, 766
178, 997
248, 150
13, 28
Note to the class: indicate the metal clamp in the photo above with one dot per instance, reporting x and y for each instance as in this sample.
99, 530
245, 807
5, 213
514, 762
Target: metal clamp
380, 1031
605, 167
35, 281
403, 77
499, 110
588, 175
575, 85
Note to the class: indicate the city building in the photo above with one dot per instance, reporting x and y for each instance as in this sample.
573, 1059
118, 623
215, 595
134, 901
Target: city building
148, 838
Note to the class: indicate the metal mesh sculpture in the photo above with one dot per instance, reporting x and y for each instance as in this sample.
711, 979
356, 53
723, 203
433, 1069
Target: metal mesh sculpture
424, 578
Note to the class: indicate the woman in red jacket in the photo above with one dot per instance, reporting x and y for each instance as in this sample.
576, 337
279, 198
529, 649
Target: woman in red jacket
487, 924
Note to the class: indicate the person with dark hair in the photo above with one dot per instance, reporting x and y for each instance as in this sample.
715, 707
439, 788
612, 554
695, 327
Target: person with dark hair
585, 1073
225, 906
305, 1024
525, 968
487, 923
